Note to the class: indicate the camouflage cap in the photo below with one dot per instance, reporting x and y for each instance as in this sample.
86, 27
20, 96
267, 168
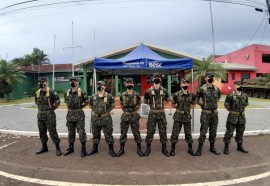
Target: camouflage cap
238, 83
129, 80
73, 78
42, 79
101, 83
184, 80
209, 75
156, 75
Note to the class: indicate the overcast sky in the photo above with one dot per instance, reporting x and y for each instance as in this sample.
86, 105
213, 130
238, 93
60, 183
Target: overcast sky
181, 25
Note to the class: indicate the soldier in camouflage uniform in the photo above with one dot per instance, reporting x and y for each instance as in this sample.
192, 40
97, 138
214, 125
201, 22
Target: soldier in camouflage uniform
156, 97
235, 103
183, 101
208, 96
47, 101
76, 99
101, 104
130, 102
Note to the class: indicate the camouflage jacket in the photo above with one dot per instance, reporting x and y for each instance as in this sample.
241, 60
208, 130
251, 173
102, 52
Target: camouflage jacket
101, 105
74, 101
209, 96
183, 101
237, 104
156, 97
46, 99
130, 102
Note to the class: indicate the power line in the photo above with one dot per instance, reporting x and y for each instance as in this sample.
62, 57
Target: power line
98, 1
16, 4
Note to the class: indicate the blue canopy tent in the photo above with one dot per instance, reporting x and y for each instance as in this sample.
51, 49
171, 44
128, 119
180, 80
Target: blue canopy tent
142, 60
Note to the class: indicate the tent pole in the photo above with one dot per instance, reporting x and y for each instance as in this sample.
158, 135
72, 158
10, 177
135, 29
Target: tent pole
192, 81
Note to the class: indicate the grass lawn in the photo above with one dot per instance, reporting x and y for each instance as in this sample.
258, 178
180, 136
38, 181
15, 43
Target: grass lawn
18, 101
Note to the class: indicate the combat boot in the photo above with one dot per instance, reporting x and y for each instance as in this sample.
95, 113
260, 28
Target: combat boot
139, 150
172, 152
190, 150
70, 149
112, 153
122, 149
241, 148
43, 149
58, 150
93, 150
226, 148
213, 149
83, 150
148, 149
164, 150
199, 150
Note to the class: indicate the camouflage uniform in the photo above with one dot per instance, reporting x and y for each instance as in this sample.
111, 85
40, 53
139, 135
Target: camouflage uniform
101, 118
182, 115
236, 118
209, 116
75, 116
130, 103
46, 116
155, 98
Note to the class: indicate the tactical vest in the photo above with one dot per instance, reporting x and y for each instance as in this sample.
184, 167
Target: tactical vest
236, 104
105, 99
161, 93
125, 99
47, 95
205, 92
79, 94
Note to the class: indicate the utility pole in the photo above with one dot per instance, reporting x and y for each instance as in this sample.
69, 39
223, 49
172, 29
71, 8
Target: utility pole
72, 47
268, 8
213, 33
54, 38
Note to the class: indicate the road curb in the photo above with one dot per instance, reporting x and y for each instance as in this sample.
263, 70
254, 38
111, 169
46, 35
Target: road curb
130, 136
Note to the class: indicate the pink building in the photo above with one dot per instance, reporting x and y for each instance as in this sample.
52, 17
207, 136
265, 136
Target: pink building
249, 62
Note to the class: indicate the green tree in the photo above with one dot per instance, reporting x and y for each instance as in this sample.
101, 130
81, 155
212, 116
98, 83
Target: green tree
201, 68
9, 74
37, 57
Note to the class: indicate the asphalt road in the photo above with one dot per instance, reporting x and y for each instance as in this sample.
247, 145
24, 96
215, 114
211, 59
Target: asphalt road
19, 165
23, 118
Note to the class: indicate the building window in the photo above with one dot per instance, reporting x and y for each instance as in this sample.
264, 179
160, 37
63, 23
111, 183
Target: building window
175, 77
226, 80
61, 79
149, 79
266, 58
244, 76
233, 76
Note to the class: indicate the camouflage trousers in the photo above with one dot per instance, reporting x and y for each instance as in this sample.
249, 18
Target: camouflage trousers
159, 119
177, 125
208, 121
80, 126
105, 124
240, 128
48, 124
135, 126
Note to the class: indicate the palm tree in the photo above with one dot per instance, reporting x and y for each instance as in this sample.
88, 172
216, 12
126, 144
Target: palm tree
9, 74
39, 58
201, 68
